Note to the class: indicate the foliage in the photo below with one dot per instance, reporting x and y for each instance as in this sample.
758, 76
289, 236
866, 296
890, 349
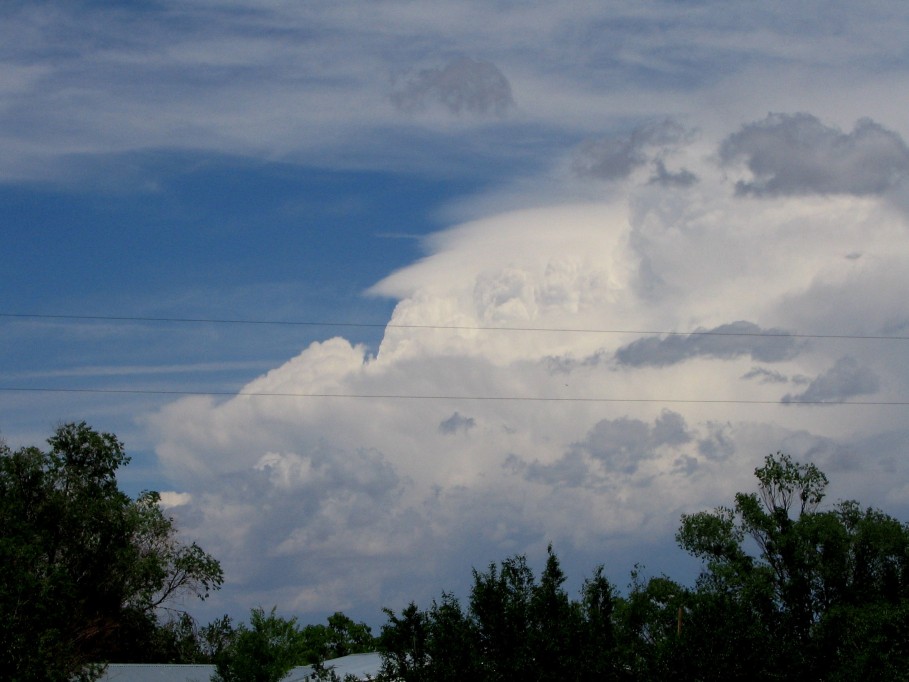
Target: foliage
267, 648
86, 568
339, 637
788, 591
817, 596
514, 628
263, 651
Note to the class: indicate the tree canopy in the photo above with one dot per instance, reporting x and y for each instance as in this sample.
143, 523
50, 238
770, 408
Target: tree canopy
86, 568
267, 648
824, 593
788, 591
790, 588
514, 627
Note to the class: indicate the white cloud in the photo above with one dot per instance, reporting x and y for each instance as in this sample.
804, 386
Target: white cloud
456, 443
170, 498
461, 442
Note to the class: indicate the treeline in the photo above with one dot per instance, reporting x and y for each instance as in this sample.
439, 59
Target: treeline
788, 591
90, 576
267, 641
264, 649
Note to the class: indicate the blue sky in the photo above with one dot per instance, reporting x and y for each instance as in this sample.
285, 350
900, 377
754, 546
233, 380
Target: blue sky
569, 271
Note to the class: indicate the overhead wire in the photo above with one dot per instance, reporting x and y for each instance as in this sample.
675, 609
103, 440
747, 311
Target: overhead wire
395, 325
322, 323
409, 396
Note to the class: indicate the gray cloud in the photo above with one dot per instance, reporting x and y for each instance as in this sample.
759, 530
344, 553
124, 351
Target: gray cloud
565, 364
725, 342
456, 423
666, 178
686, 465
844, 380
463, 86
766, 376
617, 156
612, 445
769, 376
797, 154
571, 470
719, 443
669, 429
621, 444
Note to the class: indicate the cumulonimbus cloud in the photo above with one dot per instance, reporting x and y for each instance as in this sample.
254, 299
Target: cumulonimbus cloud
511, 401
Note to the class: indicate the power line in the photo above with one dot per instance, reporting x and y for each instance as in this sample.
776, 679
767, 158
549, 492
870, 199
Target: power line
407, 396
383, 325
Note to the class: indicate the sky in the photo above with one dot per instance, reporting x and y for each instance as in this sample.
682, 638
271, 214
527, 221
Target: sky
375, 293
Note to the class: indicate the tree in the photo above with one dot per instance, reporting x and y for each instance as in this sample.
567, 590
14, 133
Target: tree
514, 628
824, 590
263, 651
340, 637
598, 602
86, 569
267, 648
403, 644
500, 606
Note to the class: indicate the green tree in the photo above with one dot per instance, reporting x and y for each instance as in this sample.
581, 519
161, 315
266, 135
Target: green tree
339, 637
500, 603
598, 639
514, 628
263, 651
215, 638
86, 569
821, 592
403, 642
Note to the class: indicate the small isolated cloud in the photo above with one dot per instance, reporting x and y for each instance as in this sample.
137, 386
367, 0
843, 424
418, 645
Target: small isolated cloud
790, 154
617, 156
842, 381
464, 86
170, 499
725, 342
456, 423
612, 446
